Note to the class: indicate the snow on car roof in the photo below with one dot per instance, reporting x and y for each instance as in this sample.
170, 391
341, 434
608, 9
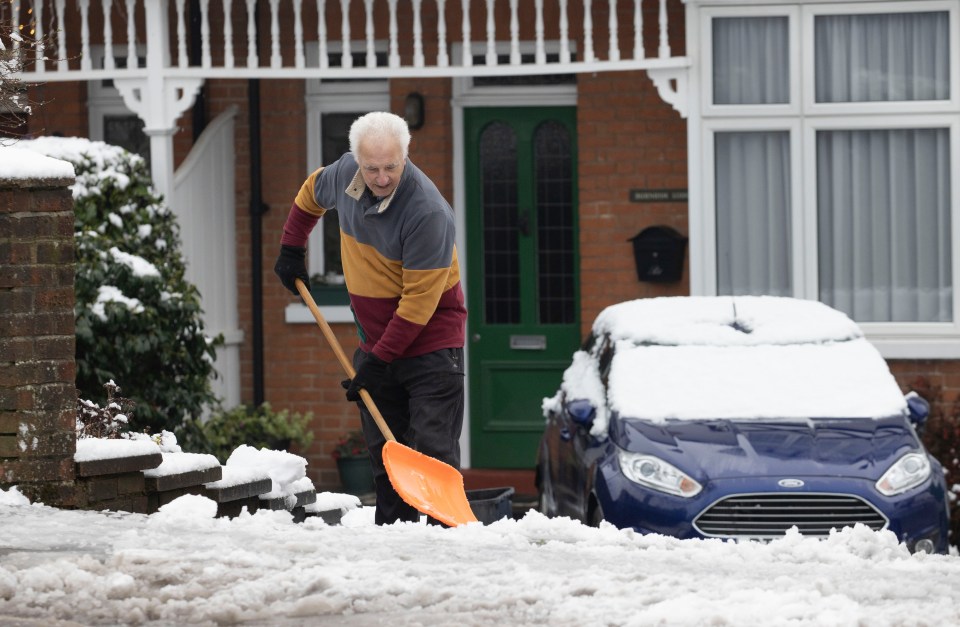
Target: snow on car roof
743, 358
725, 321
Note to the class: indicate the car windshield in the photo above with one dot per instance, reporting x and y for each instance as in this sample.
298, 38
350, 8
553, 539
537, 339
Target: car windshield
743, 357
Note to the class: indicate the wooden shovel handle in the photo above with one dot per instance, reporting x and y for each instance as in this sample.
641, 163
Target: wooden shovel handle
343, 359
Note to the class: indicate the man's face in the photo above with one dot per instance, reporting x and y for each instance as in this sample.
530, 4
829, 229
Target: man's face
381, 164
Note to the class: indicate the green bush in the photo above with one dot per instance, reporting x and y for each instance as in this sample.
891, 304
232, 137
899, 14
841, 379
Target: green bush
138, 321
259, 427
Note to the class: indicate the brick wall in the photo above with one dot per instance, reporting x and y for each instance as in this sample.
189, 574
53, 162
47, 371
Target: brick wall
37, 369
628, 138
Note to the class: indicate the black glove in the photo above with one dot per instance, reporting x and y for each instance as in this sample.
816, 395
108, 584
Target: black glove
369, 376
292, 265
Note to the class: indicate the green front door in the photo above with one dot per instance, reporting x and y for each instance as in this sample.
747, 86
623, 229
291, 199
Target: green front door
523, 324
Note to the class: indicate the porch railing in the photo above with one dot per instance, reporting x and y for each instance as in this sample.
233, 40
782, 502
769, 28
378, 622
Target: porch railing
99, 39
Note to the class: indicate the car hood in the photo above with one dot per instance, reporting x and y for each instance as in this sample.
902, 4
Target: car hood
718, 449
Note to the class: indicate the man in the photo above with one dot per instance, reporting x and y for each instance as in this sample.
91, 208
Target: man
402, 274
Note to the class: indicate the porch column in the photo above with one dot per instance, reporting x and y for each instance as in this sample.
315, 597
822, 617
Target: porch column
159, 99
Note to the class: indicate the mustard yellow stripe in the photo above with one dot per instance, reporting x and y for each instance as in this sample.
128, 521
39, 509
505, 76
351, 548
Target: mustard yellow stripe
421, 293
305, 198
367, 272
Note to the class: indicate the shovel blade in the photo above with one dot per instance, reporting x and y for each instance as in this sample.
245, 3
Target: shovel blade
431, 486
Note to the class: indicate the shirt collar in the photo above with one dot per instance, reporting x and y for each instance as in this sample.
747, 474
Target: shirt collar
356, 188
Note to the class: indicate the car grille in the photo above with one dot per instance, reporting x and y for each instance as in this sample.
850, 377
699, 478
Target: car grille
771, 515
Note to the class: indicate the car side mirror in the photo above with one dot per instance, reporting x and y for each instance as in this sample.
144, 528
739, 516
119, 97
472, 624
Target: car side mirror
919, 409
581, 411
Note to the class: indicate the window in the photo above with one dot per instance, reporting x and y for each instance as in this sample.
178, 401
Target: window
110, 120
827, 160
332, 106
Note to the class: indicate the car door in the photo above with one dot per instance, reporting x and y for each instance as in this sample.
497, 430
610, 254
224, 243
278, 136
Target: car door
570, 451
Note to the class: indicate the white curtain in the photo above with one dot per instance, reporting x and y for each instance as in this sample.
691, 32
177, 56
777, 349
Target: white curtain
750, 60
886, 57
883, 194
883, 199
754, 246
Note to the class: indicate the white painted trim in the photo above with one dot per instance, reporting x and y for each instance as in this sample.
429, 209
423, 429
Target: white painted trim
792, 106
296, 313
811, 12
895, 340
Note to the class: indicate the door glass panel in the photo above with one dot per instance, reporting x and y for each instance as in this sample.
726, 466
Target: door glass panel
882, 58
753, 213
883, 214
554, 193
501, 258
751, 60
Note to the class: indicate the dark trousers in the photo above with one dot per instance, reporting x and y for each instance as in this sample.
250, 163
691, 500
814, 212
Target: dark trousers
421, 400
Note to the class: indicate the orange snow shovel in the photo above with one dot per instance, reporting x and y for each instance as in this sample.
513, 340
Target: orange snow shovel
431, 486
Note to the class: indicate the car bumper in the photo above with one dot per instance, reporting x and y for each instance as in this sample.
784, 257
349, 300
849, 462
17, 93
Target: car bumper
918, 514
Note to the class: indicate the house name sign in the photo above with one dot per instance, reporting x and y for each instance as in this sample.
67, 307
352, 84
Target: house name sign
658, 195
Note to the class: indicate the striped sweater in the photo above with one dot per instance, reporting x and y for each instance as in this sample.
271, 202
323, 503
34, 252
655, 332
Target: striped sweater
399, 258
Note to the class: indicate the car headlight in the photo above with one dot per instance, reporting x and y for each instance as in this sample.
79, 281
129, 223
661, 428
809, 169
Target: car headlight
910, 471
655, 473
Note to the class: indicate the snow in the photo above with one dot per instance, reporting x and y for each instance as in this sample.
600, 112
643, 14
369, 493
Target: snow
112, 294
845, 379
74, 149
238, 475
19, 163
180, 463
744, 357
715, 320
138, 265
184, 566
92, 449
287, 471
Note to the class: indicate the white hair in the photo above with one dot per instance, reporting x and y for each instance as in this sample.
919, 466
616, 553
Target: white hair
379, 125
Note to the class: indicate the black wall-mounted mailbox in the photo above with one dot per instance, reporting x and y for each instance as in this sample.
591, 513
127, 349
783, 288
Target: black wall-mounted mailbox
659, 253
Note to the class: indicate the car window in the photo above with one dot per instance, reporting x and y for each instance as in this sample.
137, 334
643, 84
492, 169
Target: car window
605, 358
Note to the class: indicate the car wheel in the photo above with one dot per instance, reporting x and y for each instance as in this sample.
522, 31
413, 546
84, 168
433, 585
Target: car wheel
547, 501
595, 514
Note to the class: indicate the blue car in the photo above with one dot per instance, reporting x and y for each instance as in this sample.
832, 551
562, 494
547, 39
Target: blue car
741, 418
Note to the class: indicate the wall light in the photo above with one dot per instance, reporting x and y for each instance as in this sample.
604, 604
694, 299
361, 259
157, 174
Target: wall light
413, 110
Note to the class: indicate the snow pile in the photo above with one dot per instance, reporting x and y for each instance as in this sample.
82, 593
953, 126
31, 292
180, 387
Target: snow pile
183, 566
286, 470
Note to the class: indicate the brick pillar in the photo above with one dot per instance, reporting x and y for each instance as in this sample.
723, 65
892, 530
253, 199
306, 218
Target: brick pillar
37, 345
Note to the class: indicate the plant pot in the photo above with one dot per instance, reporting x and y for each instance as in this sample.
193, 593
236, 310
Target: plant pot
356, 475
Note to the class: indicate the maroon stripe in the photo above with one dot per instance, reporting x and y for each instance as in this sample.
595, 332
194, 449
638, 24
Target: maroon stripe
297, 227
391, 337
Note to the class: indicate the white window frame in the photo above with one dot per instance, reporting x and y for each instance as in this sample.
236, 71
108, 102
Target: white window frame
709, 223
335, 97
331, 97
803, 118
810, 13
792, 107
